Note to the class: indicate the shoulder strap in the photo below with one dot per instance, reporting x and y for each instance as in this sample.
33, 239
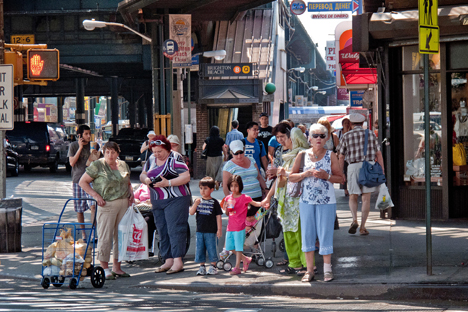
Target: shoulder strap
301, 169
365, 143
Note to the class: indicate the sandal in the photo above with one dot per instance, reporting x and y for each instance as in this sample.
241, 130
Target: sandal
283, 262
301, 272
328, 277
363, 231
353, 228
290, 270
308, 277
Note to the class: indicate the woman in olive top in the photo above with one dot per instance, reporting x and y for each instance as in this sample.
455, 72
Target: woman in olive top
113, 192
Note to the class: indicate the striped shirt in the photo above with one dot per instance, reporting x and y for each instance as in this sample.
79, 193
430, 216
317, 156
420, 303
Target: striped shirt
249, 177
352, 146
171, 169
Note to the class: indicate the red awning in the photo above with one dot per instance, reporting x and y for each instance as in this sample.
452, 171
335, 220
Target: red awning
332, 118
351, 71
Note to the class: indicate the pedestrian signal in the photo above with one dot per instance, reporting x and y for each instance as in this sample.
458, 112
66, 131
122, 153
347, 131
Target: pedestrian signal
43, 64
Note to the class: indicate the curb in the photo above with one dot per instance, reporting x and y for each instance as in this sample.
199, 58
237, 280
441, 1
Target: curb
322, 290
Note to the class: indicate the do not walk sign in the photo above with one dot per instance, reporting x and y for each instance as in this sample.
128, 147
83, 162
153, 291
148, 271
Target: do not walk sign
428, 27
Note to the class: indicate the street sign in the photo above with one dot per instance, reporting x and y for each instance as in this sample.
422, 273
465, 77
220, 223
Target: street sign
428, 27
22, 39
228, 70
170, 48
6, 97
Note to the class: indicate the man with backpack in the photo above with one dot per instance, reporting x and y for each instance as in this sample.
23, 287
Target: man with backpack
255, 148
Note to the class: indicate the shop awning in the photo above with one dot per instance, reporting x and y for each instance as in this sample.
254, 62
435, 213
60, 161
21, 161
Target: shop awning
350, 70
229, 96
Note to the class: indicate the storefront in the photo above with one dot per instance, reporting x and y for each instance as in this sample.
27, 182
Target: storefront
401, 107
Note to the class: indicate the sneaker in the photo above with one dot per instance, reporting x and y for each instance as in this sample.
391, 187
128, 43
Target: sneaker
212, 270
201, 270
224, 254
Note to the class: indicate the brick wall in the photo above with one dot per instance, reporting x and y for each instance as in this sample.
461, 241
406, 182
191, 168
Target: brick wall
203, 131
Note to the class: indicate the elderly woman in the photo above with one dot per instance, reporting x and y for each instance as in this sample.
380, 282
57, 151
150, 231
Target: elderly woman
144, 150
292, 143
168, 177
317, 204
175, 142
113, 192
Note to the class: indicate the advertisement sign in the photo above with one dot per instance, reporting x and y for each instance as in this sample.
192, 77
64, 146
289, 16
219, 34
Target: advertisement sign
180, 30
298, 7
342, 94
299, 100
356, 98
330, 56
46, 112
228, 70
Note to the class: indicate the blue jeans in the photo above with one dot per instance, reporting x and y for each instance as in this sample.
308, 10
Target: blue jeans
206, 242
171, 218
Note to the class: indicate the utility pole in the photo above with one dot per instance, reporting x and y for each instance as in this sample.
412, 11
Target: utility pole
2, 132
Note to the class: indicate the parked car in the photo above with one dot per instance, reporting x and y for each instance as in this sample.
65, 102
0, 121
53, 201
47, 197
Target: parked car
12, 158
38, 144
130, 141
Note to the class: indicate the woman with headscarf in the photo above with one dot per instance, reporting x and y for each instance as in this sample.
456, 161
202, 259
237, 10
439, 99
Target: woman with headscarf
214, 161
292, 142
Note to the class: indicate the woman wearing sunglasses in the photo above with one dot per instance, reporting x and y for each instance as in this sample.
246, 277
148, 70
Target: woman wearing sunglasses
317, 204
168, 179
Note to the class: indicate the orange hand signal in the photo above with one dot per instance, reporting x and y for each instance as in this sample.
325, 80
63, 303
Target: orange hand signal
36, 65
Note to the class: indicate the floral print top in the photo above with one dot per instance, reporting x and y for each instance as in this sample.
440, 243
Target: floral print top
318, 191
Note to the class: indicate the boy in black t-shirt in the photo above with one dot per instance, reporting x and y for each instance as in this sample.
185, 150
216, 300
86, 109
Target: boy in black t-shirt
209, 226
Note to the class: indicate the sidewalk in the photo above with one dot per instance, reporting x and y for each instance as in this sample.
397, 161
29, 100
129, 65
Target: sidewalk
390, 263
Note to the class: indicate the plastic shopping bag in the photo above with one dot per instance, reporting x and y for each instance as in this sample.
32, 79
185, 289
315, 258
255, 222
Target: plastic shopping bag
383, 201
133, 236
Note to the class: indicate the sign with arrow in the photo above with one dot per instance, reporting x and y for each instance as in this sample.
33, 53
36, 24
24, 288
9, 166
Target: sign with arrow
428, 27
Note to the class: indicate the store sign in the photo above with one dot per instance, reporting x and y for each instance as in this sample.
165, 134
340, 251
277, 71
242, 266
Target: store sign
228, 70
298, 7
333, 6
330, 56
342, 94
6, 97
180, 30
355, 98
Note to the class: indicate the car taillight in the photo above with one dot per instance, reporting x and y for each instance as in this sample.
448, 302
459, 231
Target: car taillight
47, 148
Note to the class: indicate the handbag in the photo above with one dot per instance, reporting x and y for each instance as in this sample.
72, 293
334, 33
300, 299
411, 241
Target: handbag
273, 225
294, 189
459, 155
370, 175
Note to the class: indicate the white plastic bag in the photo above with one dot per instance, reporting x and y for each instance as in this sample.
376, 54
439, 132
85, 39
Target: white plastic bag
133, 236
383, 201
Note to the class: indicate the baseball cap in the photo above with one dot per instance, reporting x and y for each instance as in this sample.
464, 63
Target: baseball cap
263, 115
236, 146
173, 139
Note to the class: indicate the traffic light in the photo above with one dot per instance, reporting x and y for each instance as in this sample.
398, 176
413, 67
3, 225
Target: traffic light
43, 64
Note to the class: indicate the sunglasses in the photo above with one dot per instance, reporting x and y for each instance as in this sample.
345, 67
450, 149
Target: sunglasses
316, 135
158, 142
239, 153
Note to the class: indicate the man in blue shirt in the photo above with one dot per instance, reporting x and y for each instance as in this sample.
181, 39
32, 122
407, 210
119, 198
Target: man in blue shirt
252, 146
234, 134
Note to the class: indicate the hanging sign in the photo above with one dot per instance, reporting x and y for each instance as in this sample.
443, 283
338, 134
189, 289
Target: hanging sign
180, 30
428, 27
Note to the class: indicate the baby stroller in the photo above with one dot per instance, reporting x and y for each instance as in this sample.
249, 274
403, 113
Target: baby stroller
253, 240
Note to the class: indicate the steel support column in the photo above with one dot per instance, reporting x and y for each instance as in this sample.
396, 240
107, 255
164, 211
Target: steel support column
115, 105
80, 109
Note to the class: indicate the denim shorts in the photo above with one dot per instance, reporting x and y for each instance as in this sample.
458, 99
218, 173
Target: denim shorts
235, 240
206, 242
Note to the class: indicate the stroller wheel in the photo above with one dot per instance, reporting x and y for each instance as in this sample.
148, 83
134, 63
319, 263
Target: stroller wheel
45, 283
260, 261
227, 266
220, 264
281, 245
269, 264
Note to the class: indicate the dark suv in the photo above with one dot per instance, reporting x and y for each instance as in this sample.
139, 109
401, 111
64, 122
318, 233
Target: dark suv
39, 144
130, 141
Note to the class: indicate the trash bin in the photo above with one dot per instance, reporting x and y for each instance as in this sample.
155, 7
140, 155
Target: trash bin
10, 225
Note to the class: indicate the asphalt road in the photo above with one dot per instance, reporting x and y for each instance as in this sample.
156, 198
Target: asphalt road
23, 295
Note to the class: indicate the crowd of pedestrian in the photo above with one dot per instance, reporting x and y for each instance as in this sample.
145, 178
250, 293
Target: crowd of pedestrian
263, 169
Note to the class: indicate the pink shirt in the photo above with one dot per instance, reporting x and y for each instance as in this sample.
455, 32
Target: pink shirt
237, 220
